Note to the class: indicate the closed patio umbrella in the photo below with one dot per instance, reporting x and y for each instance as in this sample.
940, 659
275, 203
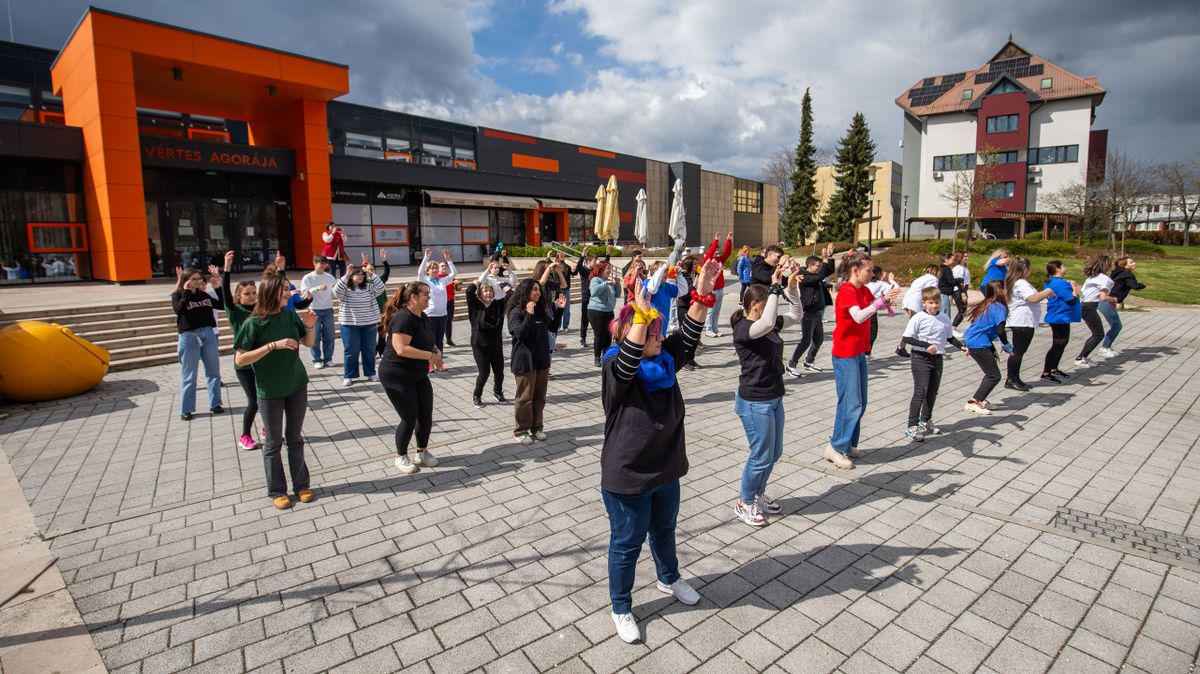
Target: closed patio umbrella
601, 194
639, 223
611, 215
677, 224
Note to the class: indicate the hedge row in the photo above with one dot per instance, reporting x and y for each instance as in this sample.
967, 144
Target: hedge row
1014, 246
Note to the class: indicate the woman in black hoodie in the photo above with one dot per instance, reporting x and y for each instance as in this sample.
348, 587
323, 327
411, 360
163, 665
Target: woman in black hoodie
529, 325
1124, 280
948, 284
486, 316
197, 325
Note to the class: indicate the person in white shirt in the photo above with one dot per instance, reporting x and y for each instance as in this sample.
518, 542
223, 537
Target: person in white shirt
963, 274
500, 277
912, 298
879, 286
318, 284
1094, 292
1024, 314
928, 331
428, 274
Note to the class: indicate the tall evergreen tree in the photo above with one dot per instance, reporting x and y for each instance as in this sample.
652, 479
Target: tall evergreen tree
800, 215
855, 153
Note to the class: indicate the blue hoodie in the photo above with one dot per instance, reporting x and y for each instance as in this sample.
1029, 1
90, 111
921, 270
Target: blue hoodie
983, 329
994, 272
743, 269
1062, 306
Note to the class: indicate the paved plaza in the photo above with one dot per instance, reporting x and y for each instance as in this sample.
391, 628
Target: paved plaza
1059, 534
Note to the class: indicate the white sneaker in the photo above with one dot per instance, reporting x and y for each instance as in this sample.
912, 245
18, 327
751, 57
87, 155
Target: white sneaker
793, 370
424, 458
405, 465
627, 627
373, 377
749, 513
811, 367
347, 382
1107, 353
976, 407
526, 439
837, 458
539, 435
769, 505
1083, 362
318, 366
681, 590
710, 333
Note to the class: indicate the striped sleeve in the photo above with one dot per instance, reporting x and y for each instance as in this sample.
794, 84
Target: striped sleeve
359, 307
629, 356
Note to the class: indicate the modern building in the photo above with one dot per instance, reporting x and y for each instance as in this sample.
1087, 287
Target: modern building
1030, 119
1164, 212
141, 146
886, 206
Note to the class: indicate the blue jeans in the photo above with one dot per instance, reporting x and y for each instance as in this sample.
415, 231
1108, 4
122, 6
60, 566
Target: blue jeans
714, 314
1114, 323
322, 348
850, 375
630, 518
358, 340
945, 305
195, 346
566, 321
763, 422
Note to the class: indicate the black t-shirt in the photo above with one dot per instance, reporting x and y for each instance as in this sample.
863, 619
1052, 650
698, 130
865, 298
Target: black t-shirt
644, 444
417, 328
762, 363
486, 322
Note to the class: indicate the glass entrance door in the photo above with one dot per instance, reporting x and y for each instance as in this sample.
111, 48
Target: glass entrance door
199, 230
262, 229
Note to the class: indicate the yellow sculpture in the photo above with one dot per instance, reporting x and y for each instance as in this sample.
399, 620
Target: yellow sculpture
45, 361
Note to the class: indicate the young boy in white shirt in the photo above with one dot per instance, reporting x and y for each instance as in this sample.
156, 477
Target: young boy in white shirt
927, 331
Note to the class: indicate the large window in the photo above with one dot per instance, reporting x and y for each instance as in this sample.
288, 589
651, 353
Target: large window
508, 226
363, 145
1007, 157
999, 190
1062, 154
1002, 123
954, 162
581, 226
747, 196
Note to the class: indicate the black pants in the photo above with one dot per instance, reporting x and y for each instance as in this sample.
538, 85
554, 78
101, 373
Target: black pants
489, 359
1091, 318
986, 359
246, 379
584, 297
812, 333
283, 418
601, 338
1061, 334
960, 302
449, 320
1021, 339
412, 396
874, 331
927, 377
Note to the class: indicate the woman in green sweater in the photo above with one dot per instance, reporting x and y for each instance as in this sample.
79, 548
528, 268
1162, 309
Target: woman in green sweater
270, 341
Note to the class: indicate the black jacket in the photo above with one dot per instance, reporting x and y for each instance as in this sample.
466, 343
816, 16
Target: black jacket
486, 322
760, 271
813, 294
530, 341
947, 283
1123, 282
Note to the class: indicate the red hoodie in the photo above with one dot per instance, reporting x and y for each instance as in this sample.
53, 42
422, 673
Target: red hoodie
711, 254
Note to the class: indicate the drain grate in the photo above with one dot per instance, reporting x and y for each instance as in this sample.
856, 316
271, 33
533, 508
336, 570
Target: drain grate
1136, 536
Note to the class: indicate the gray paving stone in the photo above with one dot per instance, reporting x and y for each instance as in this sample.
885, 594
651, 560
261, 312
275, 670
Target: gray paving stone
958, 652
468, 656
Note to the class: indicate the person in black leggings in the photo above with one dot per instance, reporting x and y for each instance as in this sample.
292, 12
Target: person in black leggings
486, 316
583, 268
404, 372
602, 299
1062, 309
1024, 313
239, 302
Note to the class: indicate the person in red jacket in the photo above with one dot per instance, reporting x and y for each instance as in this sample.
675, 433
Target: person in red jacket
710, 327
334, 248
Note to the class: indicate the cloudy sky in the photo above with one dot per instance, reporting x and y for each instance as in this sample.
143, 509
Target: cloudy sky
713, 81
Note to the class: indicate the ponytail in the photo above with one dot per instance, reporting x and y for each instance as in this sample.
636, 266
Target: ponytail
754, 293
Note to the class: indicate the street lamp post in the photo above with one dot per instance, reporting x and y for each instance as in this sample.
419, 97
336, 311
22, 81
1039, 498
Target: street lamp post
871, 170
904, 224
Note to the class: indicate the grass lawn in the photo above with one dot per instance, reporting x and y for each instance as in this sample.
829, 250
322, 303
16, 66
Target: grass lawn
1173, 278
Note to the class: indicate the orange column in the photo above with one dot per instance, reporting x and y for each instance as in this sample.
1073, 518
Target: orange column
96, 82
533, 229
301, 126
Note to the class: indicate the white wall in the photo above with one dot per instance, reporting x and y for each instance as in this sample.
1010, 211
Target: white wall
944, 135
1054, 123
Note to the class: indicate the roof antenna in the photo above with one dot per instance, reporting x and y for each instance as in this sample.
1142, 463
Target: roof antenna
1010, 37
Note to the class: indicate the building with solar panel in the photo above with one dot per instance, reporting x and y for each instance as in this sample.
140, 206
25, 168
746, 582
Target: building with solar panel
1033, 119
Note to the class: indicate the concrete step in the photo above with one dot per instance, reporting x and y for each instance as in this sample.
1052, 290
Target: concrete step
139, 362
158, 347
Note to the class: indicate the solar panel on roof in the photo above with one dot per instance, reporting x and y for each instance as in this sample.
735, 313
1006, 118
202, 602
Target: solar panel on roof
929, 82
953, 78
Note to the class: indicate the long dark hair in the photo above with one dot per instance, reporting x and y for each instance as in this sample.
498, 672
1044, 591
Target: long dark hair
1052, 268
755, 293
188, 273
351, 270
270, 293
399, 300
993, 293
519, 296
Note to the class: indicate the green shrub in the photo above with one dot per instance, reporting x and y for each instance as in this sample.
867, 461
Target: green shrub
1171, 238
1033, 236
1028, 247
1132, 247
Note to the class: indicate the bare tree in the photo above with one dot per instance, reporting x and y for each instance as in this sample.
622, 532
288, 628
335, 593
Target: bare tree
782, 165
1181, 181
1127, 181
968, 192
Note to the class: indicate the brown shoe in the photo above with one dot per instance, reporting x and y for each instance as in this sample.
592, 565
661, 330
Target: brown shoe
305, 496
837, 458
282, 502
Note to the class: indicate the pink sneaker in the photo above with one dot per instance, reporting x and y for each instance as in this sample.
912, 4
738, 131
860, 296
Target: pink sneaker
431, 369
247, 442
443, 368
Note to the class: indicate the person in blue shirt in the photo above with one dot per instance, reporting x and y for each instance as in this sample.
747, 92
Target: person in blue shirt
987, 325
997, 266
663, 292
743, 271
1062, 309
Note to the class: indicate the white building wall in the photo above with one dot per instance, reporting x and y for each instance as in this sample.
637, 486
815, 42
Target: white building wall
944, 135
1067, 122
910, 156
